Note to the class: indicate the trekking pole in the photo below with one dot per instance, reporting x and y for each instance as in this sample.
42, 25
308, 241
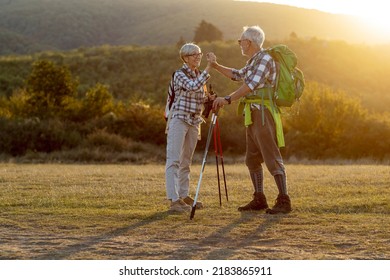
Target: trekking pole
221, 157
216, 161
212, 123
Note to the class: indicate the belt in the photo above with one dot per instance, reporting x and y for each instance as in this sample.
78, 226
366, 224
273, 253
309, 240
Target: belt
191, 115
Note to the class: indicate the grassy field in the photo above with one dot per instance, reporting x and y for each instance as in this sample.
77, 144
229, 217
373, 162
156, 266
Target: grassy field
57, 211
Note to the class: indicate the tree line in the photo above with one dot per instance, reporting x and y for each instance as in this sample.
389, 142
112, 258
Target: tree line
111, 99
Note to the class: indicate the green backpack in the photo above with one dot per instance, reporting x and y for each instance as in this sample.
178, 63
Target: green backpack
290, 81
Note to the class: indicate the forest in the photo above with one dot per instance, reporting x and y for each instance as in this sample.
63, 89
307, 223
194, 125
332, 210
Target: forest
106, 103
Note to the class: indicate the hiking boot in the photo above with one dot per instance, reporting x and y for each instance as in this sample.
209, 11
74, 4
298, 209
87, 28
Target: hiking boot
259, 202
179, 206
282, 205
190, 201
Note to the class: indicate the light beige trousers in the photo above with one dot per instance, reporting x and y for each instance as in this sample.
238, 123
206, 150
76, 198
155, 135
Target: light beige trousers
181, 143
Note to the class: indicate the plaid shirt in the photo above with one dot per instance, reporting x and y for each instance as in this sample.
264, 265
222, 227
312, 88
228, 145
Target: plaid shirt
258, 72
192, 88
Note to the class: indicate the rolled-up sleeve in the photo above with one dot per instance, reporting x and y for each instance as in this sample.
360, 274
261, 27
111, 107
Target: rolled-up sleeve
256, 72
191, 84
238, 75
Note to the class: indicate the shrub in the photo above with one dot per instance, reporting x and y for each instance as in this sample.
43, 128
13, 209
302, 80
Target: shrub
328, 125
97, 102
106, 141
140, 122
21, 135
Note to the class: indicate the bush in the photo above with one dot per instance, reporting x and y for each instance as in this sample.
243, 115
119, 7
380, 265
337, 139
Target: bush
98, 101
330, 125
23, 135
140, 122
106, 141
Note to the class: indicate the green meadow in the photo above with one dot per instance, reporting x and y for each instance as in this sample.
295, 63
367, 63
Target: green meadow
119, 211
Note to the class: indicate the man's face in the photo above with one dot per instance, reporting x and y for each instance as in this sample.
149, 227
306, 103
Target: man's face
244, 45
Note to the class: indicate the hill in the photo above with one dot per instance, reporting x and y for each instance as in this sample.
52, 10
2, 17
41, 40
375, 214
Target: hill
27, 26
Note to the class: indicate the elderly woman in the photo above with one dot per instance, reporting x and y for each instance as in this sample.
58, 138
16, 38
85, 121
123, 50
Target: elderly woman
184, 126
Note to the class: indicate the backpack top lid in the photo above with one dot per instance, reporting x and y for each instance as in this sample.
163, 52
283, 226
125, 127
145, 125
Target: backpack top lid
282, 53
290, 79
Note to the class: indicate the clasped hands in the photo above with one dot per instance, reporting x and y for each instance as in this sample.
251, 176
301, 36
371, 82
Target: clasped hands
219, 101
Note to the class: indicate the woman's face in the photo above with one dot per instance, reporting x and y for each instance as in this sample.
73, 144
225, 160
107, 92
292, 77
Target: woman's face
193, 60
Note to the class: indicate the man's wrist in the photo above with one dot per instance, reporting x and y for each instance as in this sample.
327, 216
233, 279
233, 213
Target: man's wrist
228, 98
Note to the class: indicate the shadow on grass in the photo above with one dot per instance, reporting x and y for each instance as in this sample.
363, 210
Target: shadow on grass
74, 249
227, 247
229, 250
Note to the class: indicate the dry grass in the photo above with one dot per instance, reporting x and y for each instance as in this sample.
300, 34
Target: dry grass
54, 211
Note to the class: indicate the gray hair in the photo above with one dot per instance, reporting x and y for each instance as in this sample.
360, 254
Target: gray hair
188, 49
255, 34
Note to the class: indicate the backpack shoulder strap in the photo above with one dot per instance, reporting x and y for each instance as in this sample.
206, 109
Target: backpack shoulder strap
173, 104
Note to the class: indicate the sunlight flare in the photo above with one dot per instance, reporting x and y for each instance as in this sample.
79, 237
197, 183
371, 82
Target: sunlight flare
373, 13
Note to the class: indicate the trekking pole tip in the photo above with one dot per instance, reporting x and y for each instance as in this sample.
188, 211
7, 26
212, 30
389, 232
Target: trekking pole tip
192, 212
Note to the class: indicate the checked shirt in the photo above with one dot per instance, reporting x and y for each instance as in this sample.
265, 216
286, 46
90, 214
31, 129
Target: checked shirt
191, 85
258, 71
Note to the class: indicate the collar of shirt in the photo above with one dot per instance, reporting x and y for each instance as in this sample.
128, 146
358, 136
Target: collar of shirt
255, 55
190, 72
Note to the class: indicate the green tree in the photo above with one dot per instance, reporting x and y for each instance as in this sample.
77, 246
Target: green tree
97, 102
48, 86
181, 42
207, 32
329, 124
293, 36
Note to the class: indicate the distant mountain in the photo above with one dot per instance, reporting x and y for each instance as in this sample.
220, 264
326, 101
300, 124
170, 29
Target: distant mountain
28, 26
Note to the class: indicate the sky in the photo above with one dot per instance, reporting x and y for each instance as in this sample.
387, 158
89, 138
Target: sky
373, 12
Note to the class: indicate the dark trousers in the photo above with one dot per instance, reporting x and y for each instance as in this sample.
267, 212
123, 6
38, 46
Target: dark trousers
261, 144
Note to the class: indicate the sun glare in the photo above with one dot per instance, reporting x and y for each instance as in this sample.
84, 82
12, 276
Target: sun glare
378, 19
374, 13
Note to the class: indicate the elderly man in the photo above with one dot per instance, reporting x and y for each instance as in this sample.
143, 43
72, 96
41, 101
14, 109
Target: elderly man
264, 132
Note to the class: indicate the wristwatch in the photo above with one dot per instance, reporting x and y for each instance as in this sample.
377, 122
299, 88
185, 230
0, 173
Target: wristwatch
228, 98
